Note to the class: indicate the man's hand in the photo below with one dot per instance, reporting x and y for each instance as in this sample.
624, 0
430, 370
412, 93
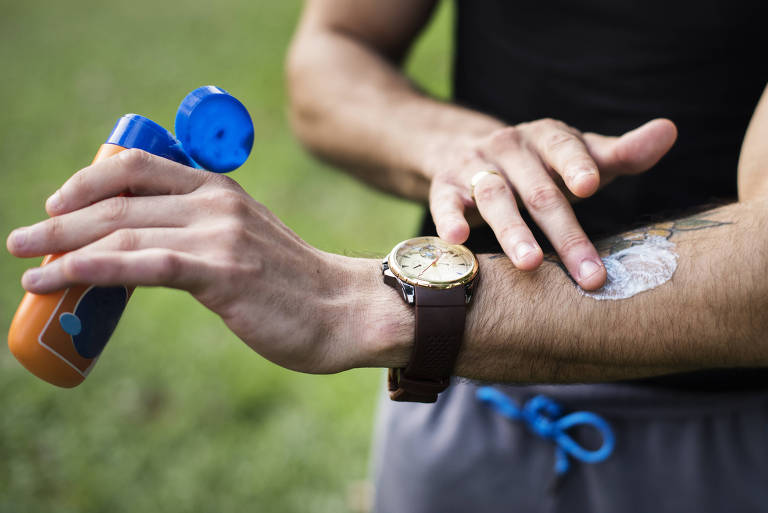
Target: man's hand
201, 232
543, 164
351, 105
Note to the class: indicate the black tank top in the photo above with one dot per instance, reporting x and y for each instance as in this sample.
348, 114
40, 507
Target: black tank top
608, 66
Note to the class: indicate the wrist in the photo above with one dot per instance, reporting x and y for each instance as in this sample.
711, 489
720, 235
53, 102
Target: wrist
377, 325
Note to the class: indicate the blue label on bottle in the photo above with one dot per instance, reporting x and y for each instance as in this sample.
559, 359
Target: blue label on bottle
95, 319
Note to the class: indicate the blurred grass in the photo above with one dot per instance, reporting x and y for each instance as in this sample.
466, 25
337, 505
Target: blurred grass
179, 415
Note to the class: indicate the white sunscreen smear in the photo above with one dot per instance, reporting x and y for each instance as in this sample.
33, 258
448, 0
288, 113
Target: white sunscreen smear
637, 268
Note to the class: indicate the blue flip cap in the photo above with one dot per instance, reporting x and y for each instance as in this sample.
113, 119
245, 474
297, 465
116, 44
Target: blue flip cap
214, 130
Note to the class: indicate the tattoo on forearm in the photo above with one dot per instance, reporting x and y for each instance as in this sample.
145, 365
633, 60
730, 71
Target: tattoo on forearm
667, 230
641, 259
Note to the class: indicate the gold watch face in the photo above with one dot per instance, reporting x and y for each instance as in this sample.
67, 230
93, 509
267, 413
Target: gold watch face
432, 262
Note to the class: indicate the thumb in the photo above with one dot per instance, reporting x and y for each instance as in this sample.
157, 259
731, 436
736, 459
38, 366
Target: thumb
635, 151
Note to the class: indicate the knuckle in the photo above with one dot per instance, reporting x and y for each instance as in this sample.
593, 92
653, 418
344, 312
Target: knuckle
511, 230
125, 239
226, 200
69, 268
134, 159
234, 203
76, 189
543, 198
77, 184
490, 189
526, 126
206, 200
55, 228
114, 209
573, 241
74, 266
622, 157
550, 124
503, 138
234, 234
221, 180
463, 160
443, 179
169, 266
558, 140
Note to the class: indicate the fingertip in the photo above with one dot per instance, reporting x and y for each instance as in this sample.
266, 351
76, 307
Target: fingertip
32, 279
664, 130
54, 204
666, 123
641, 148
591, 274
527, 256
454, 231
585, 183
15, 241
9, 243
530, 262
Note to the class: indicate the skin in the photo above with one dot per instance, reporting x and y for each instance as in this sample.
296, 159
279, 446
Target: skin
754, 154
200, 232
318, 312
345, 60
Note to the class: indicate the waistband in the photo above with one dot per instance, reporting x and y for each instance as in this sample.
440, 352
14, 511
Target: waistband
622, 400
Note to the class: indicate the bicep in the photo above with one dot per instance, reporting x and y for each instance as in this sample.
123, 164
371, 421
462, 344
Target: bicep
388, 27
753, 160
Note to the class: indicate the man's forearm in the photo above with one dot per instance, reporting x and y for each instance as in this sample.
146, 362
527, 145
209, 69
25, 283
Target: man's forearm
350, 104
538, 326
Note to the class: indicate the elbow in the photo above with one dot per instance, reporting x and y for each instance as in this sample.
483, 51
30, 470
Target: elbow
302, 72
310, 105
304, 110
311, 90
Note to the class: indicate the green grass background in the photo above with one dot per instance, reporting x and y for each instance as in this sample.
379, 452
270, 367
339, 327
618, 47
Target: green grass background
179, 415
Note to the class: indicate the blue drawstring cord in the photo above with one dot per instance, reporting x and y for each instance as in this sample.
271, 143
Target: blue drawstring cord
543, 417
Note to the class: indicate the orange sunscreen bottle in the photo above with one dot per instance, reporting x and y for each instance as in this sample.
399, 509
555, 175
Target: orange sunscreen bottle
58, 337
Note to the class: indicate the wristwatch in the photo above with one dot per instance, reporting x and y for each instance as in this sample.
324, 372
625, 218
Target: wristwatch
438, 279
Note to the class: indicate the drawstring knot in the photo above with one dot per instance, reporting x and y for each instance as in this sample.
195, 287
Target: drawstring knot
544, 417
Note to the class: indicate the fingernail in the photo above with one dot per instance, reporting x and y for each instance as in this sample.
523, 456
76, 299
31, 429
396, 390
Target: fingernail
18, 238
54, 202
587, 269
523, 249
32, 276
583, 176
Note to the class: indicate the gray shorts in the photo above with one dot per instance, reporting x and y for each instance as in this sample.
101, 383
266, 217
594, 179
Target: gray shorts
675, 452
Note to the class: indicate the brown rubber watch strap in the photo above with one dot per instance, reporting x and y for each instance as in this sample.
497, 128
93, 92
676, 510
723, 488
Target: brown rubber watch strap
440, 315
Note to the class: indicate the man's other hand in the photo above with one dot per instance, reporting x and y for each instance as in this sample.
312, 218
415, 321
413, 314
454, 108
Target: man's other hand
201, 232
544, 164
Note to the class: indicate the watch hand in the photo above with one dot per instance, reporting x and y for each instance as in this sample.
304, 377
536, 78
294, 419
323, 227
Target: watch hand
430, 265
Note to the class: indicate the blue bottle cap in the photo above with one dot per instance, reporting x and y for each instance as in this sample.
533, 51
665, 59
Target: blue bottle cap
215, 129
134, 131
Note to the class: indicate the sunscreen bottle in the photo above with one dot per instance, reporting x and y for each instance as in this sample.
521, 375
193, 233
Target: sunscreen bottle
59, 336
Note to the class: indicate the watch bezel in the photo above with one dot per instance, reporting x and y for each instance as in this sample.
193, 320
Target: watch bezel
395, 268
